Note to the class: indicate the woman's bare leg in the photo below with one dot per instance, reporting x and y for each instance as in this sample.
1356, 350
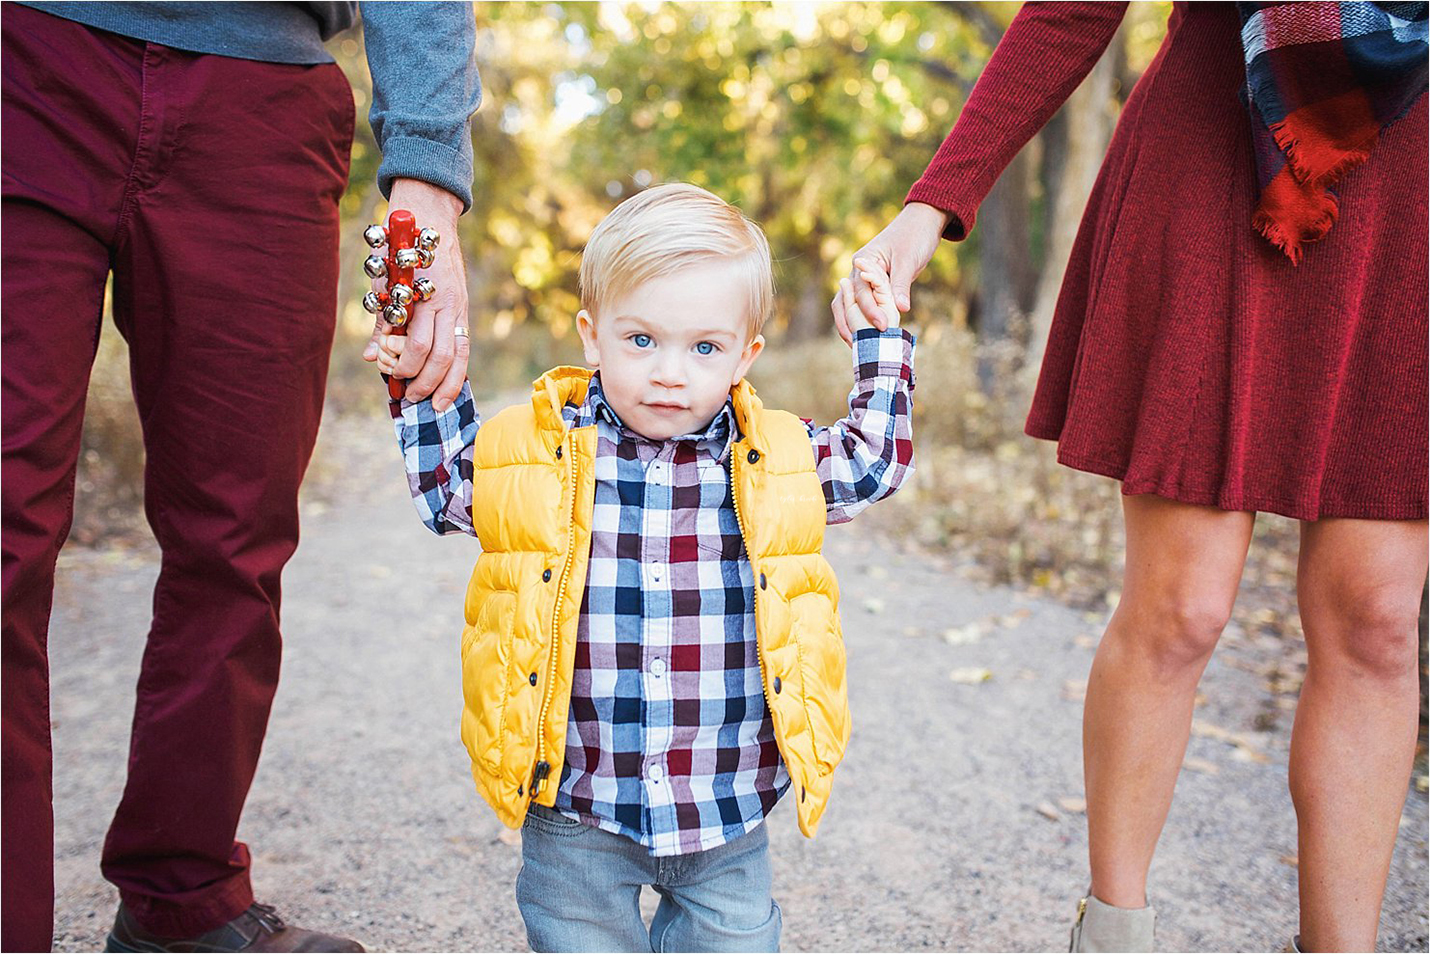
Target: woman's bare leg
1183, 566
1358, 585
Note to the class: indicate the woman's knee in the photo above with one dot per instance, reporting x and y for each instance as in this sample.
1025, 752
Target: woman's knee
1370, 633
1174, 631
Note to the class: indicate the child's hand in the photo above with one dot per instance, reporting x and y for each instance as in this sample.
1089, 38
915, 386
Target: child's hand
883, 292
389, 350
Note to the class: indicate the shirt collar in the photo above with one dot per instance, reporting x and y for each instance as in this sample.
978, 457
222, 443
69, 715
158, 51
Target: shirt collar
715, 437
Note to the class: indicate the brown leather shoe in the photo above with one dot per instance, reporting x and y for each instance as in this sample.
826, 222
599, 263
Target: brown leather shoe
256, 929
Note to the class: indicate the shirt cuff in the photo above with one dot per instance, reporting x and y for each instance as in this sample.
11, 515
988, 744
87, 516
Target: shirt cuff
410, 157
884, 354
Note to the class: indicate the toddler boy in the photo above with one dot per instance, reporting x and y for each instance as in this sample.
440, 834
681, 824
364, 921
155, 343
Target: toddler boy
652, 654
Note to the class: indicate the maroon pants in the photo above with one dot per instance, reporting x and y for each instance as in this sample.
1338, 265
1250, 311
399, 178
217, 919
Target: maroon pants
208, 186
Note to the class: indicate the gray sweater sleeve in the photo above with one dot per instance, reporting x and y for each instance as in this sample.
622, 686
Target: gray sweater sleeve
424, 90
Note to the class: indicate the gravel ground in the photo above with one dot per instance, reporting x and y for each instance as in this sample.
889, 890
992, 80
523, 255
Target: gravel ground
363, 818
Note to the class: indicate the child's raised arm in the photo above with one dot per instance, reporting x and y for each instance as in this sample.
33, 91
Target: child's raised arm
867, 455
437, 451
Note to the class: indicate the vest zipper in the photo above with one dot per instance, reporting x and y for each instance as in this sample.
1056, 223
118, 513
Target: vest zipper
755, 590
542, 769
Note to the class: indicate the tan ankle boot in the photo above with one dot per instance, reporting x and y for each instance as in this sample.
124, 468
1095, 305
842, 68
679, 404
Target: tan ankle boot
1102, 927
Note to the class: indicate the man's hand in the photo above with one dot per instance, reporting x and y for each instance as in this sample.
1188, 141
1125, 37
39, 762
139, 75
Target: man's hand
428, 358
901, 251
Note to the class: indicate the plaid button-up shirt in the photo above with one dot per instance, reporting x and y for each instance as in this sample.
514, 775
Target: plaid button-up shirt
669, 740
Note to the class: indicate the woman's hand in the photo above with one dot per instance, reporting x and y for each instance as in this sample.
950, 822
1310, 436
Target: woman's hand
901, 251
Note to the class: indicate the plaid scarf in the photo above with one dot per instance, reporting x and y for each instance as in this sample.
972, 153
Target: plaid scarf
1322, 81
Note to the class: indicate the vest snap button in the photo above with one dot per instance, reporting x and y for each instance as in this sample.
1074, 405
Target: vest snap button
521, 790
558, 452
546, 576
764, 583
532, 680
754, 456
777, 685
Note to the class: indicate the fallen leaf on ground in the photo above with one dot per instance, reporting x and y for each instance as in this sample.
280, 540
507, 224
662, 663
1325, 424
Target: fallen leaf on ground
963, 635
1291, 860
1085, 642
1248, 749
970, 675
1422, 783
1075, 690
1201, 765
1014, 618
1047, 810
1075, 806
874, 605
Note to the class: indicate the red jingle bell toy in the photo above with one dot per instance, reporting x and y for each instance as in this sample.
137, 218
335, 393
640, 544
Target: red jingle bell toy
408, 249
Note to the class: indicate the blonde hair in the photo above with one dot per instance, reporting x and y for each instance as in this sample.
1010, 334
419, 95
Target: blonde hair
670, 227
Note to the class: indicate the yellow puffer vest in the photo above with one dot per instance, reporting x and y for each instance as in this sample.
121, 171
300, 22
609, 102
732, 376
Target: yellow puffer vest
533, 488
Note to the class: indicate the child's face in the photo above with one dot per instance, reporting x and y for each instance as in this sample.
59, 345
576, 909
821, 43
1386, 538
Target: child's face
670, 351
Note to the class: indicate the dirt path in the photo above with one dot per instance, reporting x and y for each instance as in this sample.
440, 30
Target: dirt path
945, 831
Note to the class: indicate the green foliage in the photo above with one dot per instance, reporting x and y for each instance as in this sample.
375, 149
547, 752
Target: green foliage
813, 118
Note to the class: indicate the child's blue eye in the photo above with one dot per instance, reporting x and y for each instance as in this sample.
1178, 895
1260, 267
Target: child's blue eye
705, 347
642, 341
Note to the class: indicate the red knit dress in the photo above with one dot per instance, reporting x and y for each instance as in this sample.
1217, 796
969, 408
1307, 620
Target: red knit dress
1188, 357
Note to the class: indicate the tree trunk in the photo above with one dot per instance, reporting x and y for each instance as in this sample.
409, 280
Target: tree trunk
1006, 279
810, 317
1070, 171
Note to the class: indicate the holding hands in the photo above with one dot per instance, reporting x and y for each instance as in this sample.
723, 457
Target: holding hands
881, 293
434, 356
900, 252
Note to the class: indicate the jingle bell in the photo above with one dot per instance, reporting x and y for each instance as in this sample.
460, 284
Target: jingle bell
372, 302
400, 294
407, 258
424, 288
375, 235
428, 239
374, 266
425, 257
395, 315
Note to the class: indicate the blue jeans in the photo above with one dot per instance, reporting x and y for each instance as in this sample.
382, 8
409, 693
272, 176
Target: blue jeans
579, 890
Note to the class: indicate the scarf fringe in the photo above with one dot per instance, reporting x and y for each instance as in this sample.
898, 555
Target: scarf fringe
1351, 156
1274, 232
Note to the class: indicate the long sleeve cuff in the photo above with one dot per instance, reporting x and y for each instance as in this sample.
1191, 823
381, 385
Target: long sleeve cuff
436, 452
408, 157
883, 354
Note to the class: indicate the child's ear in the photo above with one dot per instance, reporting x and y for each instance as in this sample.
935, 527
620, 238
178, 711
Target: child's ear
752, 351
586, 328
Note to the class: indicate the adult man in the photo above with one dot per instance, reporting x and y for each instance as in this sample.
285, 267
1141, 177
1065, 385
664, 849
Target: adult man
197, 152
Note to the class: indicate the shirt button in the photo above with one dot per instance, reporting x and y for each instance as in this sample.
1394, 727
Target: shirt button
656, 773
657, 667
656, 571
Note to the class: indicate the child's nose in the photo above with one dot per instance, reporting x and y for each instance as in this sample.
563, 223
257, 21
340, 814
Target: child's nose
669, 371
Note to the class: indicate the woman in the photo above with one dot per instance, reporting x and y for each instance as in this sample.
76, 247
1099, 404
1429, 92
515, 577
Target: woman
1193, 360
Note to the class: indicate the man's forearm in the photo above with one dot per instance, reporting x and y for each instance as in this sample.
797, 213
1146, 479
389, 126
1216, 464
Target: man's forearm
425, 87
